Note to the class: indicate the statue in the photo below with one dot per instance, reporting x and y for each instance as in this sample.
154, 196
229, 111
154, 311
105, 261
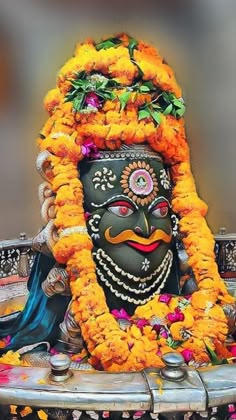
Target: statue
117, 180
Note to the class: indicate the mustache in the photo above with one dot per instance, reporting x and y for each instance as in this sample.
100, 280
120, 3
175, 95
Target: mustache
130, 235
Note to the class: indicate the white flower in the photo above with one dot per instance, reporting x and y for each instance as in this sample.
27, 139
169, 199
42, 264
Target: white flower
89, 109
97, 78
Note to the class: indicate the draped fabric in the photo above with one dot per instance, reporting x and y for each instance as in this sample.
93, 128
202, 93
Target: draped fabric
40, 319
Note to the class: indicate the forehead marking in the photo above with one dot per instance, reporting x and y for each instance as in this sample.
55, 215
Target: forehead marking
139, 182
104, 179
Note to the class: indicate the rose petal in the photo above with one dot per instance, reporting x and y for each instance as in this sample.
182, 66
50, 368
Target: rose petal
165, 298
187, 355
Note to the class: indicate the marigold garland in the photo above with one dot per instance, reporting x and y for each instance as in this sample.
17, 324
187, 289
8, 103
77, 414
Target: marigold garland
109, 126
144, 105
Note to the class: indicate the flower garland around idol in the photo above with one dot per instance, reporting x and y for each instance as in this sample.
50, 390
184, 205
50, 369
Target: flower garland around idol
116, 92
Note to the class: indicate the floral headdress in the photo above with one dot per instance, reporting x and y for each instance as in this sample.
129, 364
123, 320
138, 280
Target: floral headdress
116, 92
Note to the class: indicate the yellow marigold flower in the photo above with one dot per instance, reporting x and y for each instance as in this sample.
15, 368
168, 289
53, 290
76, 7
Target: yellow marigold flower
11, 358
124, 71
42, 415
52, 100
177, 330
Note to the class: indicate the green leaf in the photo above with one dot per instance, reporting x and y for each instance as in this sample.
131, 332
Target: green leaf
144, 89
214, 359
123, 98
178, 103
108, 43
150, 85
112, 96
156, 116
70, 96
132, 45
101, 84
78, 102
143, 113
78, 83
166, 97
156, 106
80, 74
180, 112
175, 344
106, 95
168, 109
113, 83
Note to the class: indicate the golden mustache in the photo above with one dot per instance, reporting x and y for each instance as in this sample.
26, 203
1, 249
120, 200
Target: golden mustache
130, 235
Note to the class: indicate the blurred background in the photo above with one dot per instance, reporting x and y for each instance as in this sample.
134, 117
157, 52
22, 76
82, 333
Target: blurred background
197, 38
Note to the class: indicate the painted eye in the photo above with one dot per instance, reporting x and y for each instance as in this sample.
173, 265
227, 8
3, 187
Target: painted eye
160, 210
121, 209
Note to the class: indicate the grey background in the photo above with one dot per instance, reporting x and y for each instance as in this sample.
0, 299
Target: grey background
196, 37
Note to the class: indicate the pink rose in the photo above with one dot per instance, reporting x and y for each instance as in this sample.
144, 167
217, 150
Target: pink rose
157, 328
141, 323
89, 149
163, 333
120, 314
93, 100
187, 355
176, 316
233, 350
165, 298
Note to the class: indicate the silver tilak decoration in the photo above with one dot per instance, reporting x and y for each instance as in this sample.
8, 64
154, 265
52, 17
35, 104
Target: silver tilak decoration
145, 264
131, 289
133, 151
93, 224
162, 278
137, 301
101, 255
104, 179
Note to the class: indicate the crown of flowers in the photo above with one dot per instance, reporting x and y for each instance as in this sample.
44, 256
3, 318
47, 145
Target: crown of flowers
121, 91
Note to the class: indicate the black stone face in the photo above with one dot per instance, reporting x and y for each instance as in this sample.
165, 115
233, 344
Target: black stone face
128, 207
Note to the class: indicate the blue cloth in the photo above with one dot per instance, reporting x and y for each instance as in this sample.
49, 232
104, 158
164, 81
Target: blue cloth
40, 319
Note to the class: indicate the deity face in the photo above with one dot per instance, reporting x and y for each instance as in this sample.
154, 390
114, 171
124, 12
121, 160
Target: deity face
127, 201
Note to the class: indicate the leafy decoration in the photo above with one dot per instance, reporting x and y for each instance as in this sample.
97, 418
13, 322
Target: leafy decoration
143, 113
81, 87
164, 103
108, 43
123, 98
172, 105
150, 110
213, 357
132, 45
173, 344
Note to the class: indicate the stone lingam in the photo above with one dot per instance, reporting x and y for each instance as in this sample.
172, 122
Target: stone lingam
125, 277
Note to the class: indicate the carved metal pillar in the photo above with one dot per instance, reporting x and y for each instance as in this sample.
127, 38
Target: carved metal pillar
23, 266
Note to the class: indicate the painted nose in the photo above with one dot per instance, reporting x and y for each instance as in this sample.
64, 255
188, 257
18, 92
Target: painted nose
142, 227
